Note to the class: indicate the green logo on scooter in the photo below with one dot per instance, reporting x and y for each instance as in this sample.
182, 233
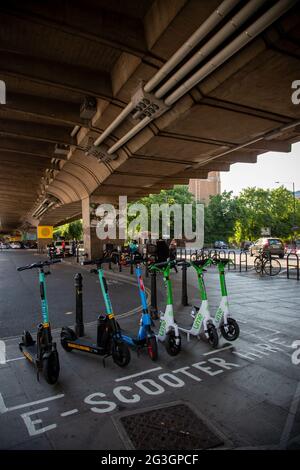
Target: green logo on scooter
198, 321
162, 328
219, 314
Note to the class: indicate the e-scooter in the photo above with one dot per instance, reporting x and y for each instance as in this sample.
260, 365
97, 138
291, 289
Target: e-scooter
168, 329
42, 353
109, 337
145, 337
228, 326
203, 322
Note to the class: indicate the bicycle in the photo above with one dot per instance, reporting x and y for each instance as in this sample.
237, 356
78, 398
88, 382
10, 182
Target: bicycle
265, 264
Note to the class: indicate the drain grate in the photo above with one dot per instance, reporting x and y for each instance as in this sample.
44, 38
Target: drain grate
174, 427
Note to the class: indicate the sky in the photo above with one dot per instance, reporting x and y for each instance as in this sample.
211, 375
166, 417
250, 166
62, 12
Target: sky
270, 167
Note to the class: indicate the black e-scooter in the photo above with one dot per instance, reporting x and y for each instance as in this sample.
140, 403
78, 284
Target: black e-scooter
42, 353
109, 337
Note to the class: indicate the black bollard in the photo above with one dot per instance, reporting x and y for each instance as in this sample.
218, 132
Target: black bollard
79, 327
153, 307
184, 295
131, 264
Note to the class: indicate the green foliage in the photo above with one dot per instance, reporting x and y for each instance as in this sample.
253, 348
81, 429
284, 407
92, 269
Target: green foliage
220, 216
178, 195
71, 231
241, 218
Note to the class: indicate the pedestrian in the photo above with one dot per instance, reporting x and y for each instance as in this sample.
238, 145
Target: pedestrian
74, 248
63, 247
133, 247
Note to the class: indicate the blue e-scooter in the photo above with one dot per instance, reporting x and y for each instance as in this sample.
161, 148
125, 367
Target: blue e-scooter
146, 336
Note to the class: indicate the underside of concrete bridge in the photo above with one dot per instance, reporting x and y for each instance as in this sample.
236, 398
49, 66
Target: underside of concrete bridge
108, 98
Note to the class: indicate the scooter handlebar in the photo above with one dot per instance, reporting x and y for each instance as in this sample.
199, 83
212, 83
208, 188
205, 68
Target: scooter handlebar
39, 264
163, 264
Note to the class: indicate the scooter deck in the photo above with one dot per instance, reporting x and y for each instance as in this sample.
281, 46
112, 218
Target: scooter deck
85, 345
30, 352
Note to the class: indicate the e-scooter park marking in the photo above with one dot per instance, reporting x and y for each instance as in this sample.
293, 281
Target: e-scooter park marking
138, 374
4, 409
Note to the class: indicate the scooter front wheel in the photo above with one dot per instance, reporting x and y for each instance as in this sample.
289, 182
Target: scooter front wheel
213, 337
51, 367
66, 335
233, 330
120, 353
152, 348
172, 347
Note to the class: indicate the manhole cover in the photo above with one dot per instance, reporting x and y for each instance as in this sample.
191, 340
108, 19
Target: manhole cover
169, 428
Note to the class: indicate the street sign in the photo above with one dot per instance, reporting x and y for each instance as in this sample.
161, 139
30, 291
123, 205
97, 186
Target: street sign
265, 231
45, 231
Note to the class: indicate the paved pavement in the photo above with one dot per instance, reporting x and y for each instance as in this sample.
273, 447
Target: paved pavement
248, 392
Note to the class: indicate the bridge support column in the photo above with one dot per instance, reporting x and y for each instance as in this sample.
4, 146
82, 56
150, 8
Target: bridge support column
92, 245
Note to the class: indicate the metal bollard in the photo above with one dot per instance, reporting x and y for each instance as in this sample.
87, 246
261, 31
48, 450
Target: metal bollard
153, 306
131, 265
79, 327
184, 295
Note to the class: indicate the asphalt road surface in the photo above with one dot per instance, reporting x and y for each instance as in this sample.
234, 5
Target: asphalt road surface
245, 394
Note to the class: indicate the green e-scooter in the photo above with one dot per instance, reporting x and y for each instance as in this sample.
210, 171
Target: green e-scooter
228, 326
168, 329
42, 353
203, 322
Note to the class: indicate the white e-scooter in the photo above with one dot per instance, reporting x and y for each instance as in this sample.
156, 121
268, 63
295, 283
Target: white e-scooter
203, 322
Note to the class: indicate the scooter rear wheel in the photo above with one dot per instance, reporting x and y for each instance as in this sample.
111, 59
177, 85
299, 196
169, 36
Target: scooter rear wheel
51, 368
66, 335
120, 353
170, 342
233, 330
152, 348
213, 337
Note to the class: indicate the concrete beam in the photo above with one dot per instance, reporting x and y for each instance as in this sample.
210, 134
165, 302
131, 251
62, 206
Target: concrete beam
60, 112
91, 23
24, 146
38, 132
67, 77
271, 146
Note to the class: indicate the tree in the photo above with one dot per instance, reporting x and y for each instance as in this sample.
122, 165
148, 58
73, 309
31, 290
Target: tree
220, 217
71, 231
178, 195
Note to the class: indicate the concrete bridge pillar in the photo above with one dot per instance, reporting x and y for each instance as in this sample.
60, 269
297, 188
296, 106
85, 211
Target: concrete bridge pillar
92, 245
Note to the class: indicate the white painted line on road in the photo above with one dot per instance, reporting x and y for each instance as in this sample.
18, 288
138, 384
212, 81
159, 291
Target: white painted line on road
4, 409
16, 359
138, 374
2, 352
218, 350
68, 413
290, 419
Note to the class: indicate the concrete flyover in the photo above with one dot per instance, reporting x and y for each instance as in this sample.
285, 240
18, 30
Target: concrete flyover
109, 98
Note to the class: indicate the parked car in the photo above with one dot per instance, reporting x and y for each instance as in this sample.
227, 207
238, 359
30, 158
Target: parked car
15, 245
274, 246
4, 246
220, 245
